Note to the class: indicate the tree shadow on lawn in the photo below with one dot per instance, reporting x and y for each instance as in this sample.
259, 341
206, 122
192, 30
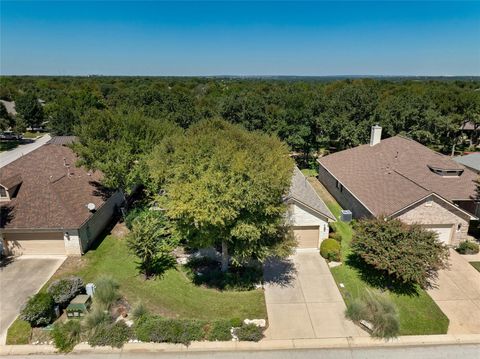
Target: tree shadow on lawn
207, 272
380, 279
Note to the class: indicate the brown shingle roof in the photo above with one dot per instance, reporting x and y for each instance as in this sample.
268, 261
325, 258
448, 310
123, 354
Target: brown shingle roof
54, 192
395, 173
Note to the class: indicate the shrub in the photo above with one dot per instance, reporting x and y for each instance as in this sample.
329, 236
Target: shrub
96, 317
468, 247
249, 332
19, 333
220, 330
106, 291
38, 310
113, 334
139, 311
236, 322
330, 250
132, 215
66, 335
379, 311
64, 290
159, 330
335, 235
408, 254
152, 241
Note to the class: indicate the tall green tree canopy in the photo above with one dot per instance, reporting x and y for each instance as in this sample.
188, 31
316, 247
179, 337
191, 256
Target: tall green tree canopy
116, 143
224, 187
30, 109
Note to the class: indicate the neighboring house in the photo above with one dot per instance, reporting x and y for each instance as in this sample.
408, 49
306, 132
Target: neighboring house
307, 213
49, 205
400, 178
471, 161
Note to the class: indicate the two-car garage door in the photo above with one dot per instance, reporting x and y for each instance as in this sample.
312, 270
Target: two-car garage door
34, 243
307, 237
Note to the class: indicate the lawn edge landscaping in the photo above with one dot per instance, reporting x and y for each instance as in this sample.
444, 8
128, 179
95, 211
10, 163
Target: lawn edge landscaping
409, 308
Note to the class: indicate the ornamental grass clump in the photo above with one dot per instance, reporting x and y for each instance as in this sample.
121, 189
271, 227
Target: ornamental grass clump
378, 312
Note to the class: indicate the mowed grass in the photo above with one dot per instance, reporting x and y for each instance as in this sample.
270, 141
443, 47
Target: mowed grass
172, 295
418, 313
476, 265
9, 145
19, 332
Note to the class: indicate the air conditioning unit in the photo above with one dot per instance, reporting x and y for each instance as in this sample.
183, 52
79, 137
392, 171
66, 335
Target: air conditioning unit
346, 215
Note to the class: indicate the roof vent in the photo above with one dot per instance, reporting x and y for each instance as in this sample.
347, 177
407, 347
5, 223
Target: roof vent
91, 207
375, 135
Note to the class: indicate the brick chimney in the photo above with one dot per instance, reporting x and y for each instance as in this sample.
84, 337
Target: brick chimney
375, 135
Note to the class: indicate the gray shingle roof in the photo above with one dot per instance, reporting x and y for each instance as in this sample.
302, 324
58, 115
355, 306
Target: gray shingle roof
302, 191
472, 160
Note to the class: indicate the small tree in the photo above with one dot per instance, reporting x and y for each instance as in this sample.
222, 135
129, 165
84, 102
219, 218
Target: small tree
29, 109
410, 254
152, 241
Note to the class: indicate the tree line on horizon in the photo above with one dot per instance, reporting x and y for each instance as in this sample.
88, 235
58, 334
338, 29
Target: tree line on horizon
308, 115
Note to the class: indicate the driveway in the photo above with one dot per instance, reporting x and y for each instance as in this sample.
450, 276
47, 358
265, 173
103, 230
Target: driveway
20, 279
303, 300
10, 156
458, 295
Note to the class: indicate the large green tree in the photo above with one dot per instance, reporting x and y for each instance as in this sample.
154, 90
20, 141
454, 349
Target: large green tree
223, 187
116, 143
30, 109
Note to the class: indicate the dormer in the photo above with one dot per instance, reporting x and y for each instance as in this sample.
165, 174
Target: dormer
446, 172
9, 187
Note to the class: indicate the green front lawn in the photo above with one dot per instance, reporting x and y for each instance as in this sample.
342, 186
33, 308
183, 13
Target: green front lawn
476, 265
19, 332
29, 134
172, 295
419, 314
9, 145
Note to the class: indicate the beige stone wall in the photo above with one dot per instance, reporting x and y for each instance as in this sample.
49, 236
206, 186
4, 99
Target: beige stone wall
72, 243
435, 211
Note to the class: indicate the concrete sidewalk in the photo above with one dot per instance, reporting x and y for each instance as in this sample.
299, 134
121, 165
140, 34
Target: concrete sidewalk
10, 156
348, 343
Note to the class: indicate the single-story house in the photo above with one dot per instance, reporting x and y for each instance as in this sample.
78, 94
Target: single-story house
400, 178
472, 161
51, 206
307, 213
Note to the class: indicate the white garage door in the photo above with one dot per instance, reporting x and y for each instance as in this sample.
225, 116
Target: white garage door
307, 237
444, 232
34, 243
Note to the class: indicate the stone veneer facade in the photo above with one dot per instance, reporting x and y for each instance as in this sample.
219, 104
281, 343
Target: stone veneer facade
434, 210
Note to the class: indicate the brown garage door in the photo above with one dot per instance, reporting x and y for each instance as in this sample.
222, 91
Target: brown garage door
307, 237
34, 243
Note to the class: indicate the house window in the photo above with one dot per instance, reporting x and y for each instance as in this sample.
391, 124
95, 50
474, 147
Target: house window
459, 227
3, 192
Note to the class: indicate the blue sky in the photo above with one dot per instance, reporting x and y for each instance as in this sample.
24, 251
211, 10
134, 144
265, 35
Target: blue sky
240, 38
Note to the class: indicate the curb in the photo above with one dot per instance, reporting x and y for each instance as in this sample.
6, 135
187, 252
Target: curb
325, 343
